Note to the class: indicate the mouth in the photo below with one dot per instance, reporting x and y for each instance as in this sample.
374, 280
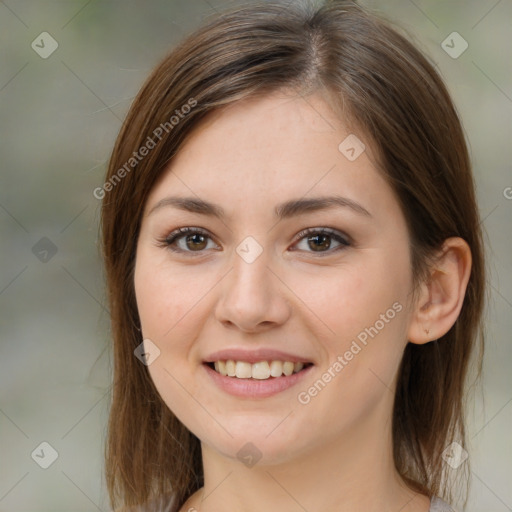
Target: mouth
261, 370
258, 380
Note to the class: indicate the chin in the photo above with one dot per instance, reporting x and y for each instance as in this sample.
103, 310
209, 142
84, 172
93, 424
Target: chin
257, 441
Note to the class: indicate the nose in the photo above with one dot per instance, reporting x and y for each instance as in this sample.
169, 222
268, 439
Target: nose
252, 296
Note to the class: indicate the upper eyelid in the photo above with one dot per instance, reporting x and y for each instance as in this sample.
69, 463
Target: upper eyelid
179, 233
325, 230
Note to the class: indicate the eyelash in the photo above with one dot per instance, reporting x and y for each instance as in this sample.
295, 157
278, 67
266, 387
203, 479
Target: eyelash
169, 240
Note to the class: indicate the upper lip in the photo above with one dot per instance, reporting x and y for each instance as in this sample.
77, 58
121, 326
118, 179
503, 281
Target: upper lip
254, 356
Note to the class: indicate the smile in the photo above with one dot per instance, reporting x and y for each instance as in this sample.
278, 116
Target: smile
257, 380
261, 370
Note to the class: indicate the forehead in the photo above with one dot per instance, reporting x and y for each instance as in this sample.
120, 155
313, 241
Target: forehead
271, 127
267, 149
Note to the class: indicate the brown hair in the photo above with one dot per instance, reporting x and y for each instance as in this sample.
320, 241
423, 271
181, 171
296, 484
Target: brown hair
394, 97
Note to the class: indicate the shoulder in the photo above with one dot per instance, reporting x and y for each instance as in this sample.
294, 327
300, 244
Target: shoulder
439, 505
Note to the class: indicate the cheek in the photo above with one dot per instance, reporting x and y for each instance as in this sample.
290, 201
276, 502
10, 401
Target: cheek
166, 303
362, 309
172, 306
345, 302
165, 298
357, 375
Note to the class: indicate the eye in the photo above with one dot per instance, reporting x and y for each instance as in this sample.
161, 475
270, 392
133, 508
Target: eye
187, 240
195, 240
320, 240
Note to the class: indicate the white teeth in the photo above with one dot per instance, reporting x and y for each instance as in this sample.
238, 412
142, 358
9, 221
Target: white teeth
276, 368
222, 368
231, 368
288, 368
261, 370
243, 370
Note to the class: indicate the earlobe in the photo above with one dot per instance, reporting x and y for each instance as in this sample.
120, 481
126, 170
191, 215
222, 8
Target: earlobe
441, 297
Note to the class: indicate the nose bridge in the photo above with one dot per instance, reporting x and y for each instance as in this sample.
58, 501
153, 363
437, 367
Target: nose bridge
251, 294
250, 276
250, 267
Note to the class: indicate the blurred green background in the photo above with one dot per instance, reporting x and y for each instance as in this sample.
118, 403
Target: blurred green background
59, 117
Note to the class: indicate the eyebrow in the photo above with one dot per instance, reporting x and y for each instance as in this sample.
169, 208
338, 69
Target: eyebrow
282, 211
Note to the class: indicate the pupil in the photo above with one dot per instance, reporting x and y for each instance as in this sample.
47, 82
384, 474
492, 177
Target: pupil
324, 237
195, 236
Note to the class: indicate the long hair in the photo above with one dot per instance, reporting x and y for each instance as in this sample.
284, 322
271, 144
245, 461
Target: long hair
374, 77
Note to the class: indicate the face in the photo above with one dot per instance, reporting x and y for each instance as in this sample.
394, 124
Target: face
266, 278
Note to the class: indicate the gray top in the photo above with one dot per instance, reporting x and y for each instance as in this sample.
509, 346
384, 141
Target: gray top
167, 505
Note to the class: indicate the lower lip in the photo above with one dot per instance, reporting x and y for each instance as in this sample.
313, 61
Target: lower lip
254, 388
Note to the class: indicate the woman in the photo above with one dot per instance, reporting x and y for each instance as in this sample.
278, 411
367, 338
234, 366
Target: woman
295, 269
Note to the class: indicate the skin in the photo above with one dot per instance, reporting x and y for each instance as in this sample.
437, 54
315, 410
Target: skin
335, 452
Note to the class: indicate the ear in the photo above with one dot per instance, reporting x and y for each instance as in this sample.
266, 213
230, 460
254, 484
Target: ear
441, 296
